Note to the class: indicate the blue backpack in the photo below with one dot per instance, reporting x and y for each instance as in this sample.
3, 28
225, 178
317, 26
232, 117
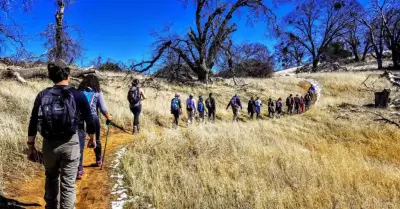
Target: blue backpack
58, 118
175, 104
200, 106
89, 95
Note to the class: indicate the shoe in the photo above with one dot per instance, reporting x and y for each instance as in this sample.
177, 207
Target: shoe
80, 175
99, 162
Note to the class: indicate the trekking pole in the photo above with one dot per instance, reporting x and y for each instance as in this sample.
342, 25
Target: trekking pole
105, 145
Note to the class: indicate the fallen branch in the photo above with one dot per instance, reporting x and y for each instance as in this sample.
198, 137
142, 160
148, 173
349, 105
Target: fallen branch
27, 73
387, 120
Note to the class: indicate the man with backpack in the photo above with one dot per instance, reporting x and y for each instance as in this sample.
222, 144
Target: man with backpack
251, 108
297, 104
279, 107
135, 96
176, 108
211, 107
289, 104
55, 115
235, 104
307, 100
201, 109
190, 108
271, 108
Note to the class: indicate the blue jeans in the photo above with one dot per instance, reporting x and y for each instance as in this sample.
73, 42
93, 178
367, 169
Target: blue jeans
82, 139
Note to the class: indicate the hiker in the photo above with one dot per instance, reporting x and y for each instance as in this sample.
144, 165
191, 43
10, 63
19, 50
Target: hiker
211, 107
289, 104
271, 108
302, 104
191, 109
235, 104
90, 87
201, 109
307, 99
135, 96
258, 104
279, 107
311, 91
55, 115
297, 104
251, 108
176, 108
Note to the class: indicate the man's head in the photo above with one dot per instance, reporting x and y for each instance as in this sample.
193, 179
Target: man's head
210, 95
177, 95
58, 71
252, 98
291, 95
297, 95
191, 96
135, 82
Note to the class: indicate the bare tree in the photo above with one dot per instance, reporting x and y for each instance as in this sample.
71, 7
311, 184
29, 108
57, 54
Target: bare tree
246, 60
59, 41
289, 52
388, 11
376, 31
356, 38
201, 45
11, 33
316, 23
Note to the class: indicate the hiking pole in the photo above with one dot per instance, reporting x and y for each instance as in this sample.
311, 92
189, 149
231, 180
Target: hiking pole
108, 123
118, 126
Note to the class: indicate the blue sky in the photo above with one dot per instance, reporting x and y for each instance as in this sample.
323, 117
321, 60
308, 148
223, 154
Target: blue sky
120, 29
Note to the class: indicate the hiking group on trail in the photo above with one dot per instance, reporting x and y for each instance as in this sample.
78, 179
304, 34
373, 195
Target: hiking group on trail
64, 115
295, 105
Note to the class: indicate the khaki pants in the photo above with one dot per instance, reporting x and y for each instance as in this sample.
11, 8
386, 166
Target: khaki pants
61, 161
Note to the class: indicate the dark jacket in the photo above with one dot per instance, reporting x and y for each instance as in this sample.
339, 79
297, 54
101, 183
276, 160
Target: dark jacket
82, 109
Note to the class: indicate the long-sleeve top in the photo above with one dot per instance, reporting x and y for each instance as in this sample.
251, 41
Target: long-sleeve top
192, 103
82, 110
238, 102
98, 104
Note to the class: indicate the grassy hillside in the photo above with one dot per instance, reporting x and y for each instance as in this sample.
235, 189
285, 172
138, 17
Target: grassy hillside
320, 159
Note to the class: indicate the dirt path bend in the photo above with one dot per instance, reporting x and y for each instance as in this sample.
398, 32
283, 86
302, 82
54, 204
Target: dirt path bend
93, 191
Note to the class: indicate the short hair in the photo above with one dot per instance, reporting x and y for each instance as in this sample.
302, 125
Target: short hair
58, 71
210, 94
135, 82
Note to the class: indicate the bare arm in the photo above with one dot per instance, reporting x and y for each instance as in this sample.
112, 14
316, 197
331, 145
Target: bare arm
142, 94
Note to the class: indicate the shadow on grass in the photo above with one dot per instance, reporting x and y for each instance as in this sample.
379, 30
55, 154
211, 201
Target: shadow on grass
6, 203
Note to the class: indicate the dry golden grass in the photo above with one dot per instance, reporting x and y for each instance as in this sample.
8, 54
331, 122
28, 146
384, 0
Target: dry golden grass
312, 160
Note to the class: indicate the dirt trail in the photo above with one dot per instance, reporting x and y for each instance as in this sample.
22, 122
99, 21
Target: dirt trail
93, 191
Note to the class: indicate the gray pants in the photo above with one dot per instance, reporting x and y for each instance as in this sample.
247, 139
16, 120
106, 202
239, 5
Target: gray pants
61, 160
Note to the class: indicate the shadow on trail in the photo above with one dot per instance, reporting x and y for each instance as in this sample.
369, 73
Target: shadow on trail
6, 203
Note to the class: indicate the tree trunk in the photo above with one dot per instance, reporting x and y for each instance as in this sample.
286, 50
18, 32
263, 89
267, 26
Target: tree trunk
355, 53
382, 98
315, 63
22, 75
379, 60
59, 28
366, 48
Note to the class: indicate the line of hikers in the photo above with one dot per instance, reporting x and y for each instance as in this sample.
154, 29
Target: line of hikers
294, 105
63, 116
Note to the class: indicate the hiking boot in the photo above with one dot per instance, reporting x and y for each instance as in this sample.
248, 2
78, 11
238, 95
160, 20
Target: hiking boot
99, 162
135, 129
80, 175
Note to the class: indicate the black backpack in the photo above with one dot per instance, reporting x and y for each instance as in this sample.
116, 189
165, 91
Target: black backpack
58, 117
134, 96
210, 103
